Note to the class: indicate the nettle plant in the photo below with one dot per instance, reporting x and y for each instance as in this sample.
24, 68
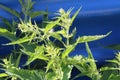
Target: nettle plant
45, 58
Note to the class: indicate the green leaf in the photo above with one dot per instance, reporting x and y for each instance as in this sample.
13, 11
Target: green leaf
21, 3
113, 61
49, 64
79, 75
62, 32
19, 41
11, 58
34, 57
91, 38
113, 46
69, 49
92, 63
50, 76
29, 5
74, 16
51, 25
37, 13
72, 38
38, 54
9, 35
93, 71
7, 23
14, 24
67, 69
30, 60
88, 51
25, 74
57, 36
28, 47
13, 12
108, 68
114, 77
18, 60
3, 75
27, 52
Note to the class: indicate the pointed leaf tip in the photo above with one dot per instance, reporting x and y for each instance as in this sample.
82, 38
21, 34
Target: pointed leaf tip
91, 38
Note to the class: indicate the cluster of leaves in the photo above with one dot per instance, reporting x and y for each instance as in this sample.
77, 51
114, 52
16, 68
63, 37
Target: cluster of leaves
27, 11
112, 70
45, 59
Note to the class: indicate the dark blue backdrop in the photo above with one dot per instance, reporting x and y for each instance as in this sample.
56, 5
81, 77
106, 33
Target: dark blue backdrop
96, 17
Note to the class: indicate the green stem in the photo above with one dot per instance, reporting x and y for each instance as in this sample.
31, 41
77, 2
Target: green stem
26, 17
67, 37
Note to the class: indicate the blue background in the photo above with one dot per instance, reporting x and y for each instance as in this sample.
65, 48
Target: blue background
96, 17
